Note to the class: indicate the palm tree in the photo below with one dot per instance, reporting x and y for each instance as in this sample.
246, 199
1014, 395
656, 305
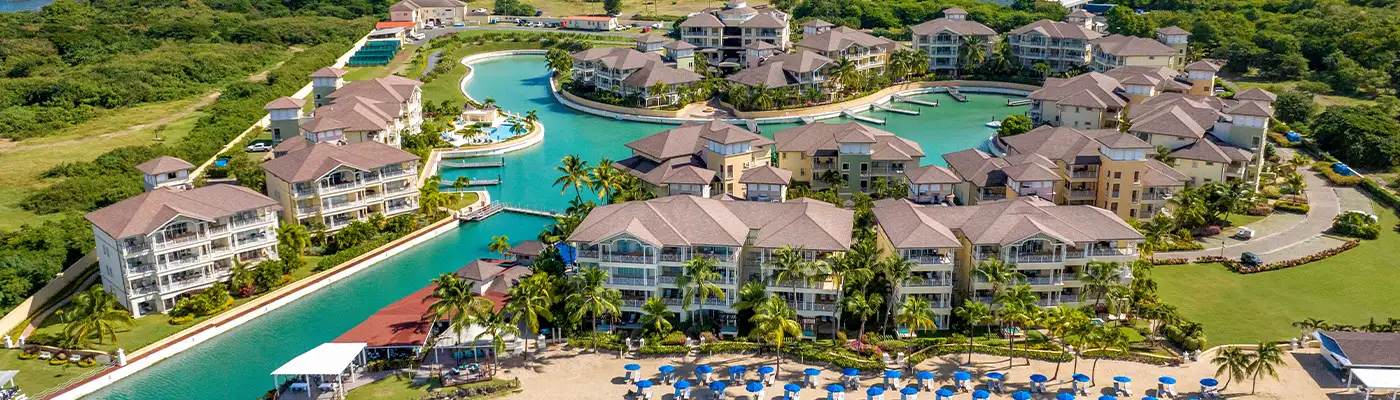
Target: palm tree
1099, 277
974, 51
790, 267
1232, 362
605, 179
1017, 309
655, 316
1081, 334
591, 298
453, 300
500, 244
573, 172
1267, 359
559, 61
529, 301
1164, 155
773, 322
1295, 182
1043, 69
460, 185
916, 314
497, 326
863, 305
96, 312
657, 90
240, 276
697, 281
854, 267
832, 178
844, 74
531, 118
975, 313
999, 273
1108, 338
1059, 322
897, 270
1308, 326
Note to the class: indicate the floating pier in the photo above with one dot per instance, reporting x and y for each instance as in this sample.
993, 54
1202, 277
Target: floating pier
808, 120
916, 101
897, 110
464, 164
853, 115
953, 91
752, 124
497, 207
1016, 102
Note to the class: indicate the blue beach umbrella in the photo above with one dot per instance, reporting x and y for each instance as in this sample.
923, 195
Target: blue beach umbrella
1167, 380
1209, 382
754, 387
704, 369
925, 375
765, 370
718, 386
850, 372
908, 391
666, 369
792, 388
981, 394
1149, 398
1021, 395
893, 374
1038, 378
874, 392
1107, 397
1122, 379
682, 385
736, 370
811, 376
943, 394
1081, 378
644, 384
632, 367
995, 375
962, 376
812, 372
834, 388
1064, 396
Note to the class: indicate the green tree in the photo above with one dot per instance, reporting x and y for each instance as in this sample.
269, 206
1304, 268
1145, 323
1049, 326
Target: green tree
1015, 124
460, 185
559, 61
96, 312
529, 302
897, 271
606, 180
654, 316
1267, 359
452, 300
863, 305
500, 244
1018, 308
1309, 325
853, 268
1099, 277
590, 298
573, 172
1363, 137
697, 282
916, 315
496, 326
1295, 107
774, 322
1232, 362
1108, 338
974, 313
1123, 21
292, 241
612, 7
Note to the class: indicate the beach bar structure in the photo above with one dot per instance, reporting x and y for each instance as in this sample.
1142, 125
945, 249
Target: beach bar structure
321, 372
1368, 359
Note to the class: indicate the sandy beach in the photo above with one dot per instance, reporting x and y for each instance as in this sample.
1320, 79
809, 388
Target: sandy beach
572, 374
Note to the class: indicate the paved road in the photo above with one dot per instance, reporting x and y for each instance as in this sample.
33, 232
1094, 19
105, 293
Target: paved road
435, 32
432, 63
1325, 206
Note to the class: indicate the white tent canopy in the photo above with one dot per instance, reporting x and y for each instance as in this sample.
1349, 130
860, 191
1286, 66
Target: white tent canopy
326, 359
1383, 379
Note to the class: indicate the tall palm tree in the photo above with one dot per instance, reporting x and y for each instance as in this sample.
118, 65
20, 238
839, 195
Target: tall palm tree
1043, 69
460, 185
1099, 277
916, 314
1308, 326
453, 300
975, 313
974, 52
573, 172
774, 322
96, 312
1082, 334
240, 276
529, 302
854, 267
1108, 338
1267, 359
531, 118
897, 270
1164, 155
1233, 363
589, 297
790, 267
844, 74
863, 305
605, 179
497, 326
697, 282
500, 244
654, 316
998, 273
1059, 322
1018, 304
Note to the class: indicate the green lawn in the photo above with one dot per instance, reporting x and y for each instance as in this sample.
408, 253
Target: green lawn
366, 73
445, 86
37, 375
148, 329
1321, 99
462, 201
397, 386
1350, 288
1243, 219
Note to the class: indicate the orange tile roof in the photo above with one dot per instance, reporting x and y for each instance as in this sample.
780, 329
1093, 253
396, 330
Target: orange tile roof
391, 24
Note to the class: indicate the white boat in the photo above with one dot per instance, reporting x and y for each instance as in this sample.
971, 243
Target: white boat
994, 124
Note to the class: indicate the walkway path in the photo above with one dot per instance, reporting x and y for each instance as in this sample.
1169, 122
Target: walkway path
1325, 205
38, 319
432, 62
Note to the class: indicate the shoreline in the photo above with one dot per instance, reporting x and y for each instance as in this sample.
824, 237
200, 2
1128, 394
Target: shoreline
175, 344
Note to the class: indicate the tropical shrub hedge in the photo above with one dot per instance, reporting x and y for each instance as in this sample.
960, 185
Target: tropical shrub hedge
1241, 268
1325, 168
1132, 357
1170, 261
1292, 206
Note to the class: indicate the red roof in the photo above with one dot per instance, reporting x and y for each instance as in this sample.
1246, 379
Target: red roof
391, 24
401, 323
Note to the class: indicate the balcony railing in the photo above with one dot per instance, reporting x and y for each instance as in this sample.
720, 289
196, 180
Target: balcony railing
1038, 258
588, 254
341, 205
1111, 252
1044, 280
632, 280
392, 190
181, 284
144, 290
251, 221
929, 283
671, 301
307, 210
1082, 194
633, 302
932, 259
626, 258
683, 257
182, 240
1152, 196
389, 174
327, 187
1084, 174
303, 191
140, 268
811, 306
886, 170
1048, 302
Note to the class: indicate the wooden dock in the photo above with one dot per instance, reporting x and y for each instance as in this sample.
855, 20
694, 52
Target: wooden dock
497, 207
808, 120
912, 100
483, 164
896, 110
953, 91
1015, 102
752, 124
852, 115
447, 186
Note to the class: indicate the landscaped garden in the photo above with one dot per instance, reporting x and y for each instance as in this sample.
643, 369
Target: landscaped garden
1349, 288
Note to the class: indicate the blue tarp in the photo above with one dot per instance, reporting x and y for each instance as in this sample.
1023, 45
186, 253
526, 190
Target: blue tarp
1293, 136
567, 252
1342, 169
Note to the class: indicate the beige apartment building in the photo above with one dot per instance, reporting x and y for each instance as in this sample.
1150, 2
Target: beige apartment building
627, 72
377, 110
857, 153
1060, 45
803, 70
867, 52
158, 247
943, 39
1115, 51
703, 159
721, 34
643, 244
336, 185
429, 12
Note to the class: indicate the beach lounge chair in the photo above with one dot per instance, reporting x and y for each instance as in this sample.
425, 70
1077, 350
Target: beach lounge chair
75, 358
44, 355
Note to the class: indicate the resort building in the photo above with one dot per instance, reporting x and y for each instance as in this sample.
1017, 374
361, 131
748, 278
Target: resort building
803, 70
986, 177
1062, 46
853, 154
643, 244
766, 183
334, 185
1176, 38
377, 110
1087, 19
1100, 167
697, 158
166, 171
159, 246
1097, 100
430, 12
943, 39
932, 184
1369, 359
675, 53
1048, 244
866, 51
1115, 51
721, 33
626, 72
524, 253
816, 26
589, 22
1202, 77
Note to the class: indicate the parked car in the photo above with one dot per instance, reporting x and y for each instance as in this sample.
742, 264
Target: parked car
260, 147
1250, 259
1245, 233
417, 36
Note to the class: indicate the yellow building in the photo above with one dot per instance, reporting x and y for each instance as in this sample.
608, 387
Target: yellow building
1115, 51
698, 158
866, 51
856, 154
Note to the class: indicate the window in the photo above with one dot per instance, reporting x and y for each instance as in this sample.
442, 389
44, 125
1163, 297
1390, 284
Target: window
785, 156
171, 175
1210, 164
1132, 213
1135, 176
277, 132
864, 184
845, 166
864, 167
846, 178
1113, 207
730, 188
1117, 175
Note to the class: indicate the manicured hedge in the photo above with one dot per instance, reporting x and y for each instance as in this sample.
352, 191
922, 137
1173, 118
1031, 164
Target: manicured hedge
1132, 357
1170, 261
1240, 268
1325, 168
1292, 206
1381, 194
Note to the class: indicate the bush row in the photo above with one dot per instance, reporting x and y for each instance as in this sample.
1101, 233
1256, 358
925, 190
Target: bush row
1131, 357
1381, 194
1325, 168
1240, 268
1292, 206
946, 349
1170, 261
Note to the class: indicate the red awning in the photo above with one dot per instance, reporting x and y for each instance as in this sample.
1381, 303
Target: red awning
401, 323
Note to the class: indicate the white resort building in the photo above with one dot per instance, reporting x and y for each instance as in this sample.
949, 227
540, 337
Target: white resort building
720, 34
157, 247
338, 184
943, 40
626, 72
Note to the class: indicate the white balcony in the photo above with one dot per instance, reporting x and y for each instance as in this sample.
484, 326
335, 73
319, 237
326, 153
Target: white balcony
310, 210
932, 260
192, 238
184, 262
345, 205
186, 283
632, 281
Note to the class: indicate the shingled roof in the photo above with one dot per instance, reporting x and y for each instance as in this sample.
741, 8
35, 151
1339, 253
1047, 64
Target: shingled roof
842, 37
685, 220
1012, 220
1088, 90
685, 140
1056, 29
316, 160
163, 165
811, 138
144, 213
960, 27
767, 175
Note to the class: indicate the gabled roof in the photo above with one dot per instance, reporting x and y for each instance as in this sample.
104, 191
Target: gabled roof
682, 170
960, 27
909, 226
480, 270
817, 23
314, 161
1208, 150
685, 139
1132, 46
685, 220
328, 72
819, 136
842, 37
978, 167
1162, 175
801, 62
1056, 29
623, 58
768, 74
144, 213
1256, 94
1170, 121
650, 38
930, 174
764, 20
678, 45
1173, 30
656, 72
1088, 90
1008, 221
162, 165
761, 45
1203, 66
1251, 108
285, 103
527, 248
702, 20
766, 175
1164, 79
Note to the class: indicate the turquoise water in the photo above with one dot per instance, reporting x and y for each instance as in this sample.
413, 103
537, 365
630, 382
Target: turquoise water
236, 365
22, 5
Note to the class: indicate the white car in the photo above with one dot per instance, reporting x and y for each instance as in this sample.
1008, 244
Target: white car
259, 147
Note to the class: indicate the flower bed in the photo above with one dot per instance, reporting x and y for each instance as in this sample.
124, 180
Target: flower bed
1325, 168
1132, 357
1170, 261
1240, 268
663, 350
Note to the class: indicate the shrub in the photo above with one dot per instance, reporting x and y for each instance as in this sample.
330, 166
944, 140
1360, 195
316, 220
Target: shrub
181, 320
1270, 192
208, 302
1357, 225
1381, 194
58, 361
1241, 268
1325, 168
1260, 209
1169, 261
1132, 357
650, 349
673, 339
708, 337
1291, 206
87, 363
728, 347
25, 355
893, 346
